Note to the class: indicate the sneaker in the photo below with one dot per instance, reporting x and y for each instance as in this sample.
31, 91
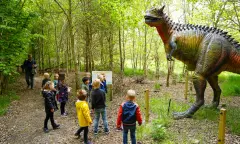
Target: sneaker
57, 126
119, 129
64, 115
88, 142
107, 132
95, 132
45, 130
77, 136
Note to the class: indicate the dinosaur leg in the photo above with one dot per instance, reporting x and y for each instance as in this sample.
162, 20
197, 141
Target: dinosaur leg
200, 86
213, 81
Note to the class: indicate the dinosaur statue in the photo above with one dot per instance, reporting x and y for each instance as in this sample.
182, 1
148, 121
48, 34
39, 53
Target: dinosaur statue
205, 50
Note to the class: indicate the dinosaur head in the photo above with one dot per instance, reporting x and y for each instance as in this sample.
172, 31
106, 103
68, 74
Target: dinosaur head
154, 16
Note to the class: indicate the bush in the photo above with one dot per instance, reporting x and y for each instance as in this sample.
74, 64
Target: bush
158, 130
157, 86
133, 72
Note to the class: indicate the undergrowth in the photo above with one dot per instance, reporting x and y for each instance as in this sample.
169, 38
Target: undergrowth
5, 101
157, 129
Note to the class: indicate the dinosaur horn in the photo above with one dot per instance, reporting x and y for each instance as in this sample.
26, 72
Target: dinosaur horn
224, 33
161, 9
237, 46
230, 39
227, 36
235, 42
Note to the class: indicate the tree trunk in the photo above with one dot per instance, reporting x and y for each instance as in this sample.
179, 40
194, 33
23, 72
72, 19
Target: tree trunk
110, 39
72, 44
120, 48
145, 51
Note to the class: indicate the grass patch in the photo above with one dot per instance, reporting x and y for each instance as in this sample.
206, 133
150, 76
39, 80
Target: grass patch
157, 86
232, 117
157, 129
233, 120
230, 84
5, 100
133, 72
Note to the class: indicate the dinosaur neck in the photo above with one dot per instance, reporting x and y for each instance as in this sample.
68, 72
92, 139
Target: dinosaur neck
164, 31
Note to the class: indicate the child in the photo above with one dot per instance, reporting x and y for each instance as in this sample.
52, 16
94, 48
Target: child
49, 105
99, 106
63, 96
46, 79
88, 75
104, 82
55, 81
128, 114
83, 115
99, 76
85, 86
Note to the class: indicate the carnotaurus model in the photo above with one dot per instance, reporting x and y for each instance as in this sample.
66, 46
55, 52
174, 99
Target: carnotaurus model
206, 51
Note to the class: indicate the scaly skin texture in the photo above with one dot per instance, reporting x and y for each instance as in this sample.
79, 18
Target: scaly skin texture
206, 51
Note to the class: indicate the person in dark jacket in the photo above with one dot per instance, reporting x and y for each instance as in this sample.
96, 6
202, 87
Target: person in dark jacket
128, 114
63, 96
50, 105
99, 106
29, 66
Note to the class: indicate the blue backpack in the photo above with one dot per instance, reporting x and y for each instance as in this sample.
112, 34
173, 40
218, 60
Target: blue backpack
129, 113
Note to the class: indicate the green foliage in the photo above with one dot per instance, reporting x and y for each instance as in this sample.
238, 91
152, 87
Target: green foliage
233, 120
15, 35
159, 132
133, 72
157, 86
230, 84
5, 100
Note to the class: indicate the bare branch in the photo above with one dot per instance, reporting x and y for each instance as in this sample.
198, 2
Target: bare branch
62, 9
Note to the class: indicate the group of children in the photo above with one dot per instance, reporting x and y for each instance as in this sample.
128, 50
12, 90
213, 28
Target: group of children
93, 95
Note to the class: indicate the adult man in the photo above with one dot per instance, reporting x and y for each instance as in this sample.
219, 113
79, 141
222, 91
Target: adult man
29, 66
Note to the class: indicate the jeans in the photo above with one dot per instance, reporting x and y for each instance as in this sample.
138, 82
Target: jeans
97, 113
62, 107
132, 134
29, 78
49, 115
85, 129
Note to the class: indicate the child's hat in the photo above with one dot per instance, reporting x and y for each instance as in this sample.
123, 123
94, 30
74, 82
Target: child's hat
84, 79
131, 93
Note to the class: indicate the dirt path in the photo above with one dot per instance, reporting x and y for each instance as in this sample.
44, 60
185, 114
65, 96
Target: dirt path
23, 123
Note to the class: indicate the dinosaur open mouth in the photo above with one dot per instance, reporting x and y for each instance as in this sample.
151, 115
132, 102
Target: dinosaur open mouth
151, 19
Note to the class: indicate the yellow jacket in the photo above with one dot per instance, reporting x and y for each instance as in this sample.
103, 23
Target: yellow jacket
83, 113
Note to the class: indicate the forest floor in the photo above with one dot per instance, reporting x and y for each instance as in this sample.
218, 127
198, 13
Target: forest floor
23, 123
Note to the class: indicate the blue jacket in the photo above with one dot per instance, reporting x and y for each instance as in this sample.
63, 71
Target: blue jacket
63, 92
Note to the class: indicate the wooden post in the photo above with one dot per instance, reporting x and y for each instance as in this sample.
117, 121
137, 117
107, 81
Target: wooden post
110, 92
222, 124
186, 85
147, 105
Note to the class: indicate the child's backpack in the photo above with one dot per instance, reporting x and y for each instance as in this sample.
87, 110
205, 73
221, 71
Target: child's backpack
129, 113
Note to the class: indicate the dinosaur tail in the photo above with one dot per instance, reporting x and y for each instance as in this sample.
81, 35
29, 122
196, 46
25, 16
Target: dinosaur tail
235, 60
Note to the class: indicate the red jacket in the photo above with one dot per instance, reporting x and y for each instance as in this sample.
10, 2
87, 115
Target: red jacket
130, 116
